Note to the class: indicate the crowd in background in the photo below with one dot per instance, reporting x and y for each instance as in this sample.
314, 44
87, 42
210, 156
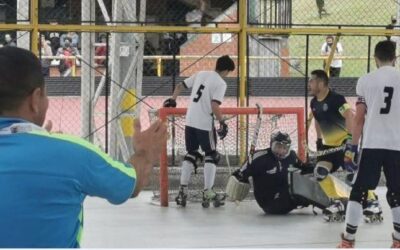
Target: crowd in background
60, 49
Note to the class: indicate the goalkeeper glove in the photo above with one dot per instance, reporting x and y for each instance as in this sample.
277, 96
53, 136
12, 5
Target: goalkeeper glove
239, 176
350, 157
169, 103
222, 130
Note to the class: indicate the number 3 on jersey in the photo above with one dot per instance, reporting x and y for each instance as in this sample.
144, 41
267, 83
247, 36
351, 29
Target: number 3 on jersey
388, 100
199, 93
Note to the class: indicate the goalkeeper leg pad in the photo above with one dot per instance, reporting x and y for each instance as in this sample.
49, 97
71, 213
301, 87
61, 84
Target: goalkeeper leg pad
304, 187
236, 190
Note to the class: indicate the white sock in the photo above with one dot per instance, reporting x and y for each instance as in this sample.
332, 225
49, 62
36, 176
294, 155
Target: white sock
209, 174
186, 172
396, 222
354, 215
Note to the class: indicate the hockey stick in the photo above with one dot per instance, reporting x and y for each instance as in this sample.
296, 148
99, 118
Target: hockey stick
253, 142
226, 157
234, 189
255, 134
325, 151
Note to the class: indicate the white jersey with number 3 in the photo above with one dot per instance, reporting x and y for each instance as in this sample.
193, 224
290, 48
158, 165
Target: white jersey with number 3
380, 91
207, 86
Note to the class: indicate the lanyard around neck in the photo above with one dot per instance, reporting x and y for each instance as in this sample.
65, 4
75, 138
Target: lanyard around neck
20, 127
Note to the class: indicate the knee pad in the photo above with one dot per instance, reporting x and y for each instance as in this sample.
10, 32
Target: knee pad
212, 157
359, 195
321, 172
195, 158
393, 198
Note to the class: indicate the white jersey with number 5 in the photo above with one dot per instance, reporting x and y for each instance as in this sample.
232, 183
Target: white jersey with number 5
206, 86
380, 91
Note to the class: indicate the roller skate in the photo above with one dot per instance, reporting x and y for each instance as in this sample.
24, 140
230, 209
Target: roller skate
396, 242
345, 243
373, 212
209, 195
335, 212
182, 197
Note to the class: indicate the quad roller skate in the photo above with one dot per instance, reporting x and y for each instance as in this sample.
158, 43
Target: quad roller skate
210, 196
182, 197
335, 212
373, 212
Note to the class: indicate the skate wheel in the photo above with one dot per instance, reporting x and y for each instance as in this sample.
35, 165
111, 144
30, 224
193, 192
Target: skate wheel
205, 204
336, 218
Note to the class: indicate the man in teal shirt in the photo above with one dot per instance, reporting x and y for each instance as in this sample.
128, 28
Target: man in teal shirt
45, 177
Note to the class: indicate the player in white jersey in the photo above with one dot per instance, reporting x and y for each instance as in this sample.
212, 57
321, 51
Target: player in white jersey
377, 119
208, 91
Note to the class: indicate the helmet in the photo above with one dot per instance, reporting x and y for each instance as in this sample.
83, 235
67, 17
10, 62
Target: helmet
280, 144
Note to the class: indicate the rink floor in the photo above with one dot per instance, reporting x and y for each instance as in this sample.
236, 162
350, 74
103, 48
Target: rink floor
141, 224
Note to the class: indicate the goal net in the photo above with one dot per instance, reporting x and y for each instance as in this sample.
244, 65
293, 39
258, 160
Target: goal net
241, 123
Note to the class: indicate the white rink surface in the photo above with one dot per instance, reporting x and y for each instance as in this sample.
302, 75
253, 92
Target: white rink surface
140, 224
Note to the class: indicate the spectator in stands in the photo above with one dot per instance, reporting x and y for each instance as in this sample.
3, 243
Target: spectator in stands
65, 66
101, 50
74, 38
336, 64
54, 38
9, 41
196, 17
321, 8
390, 27
45, 50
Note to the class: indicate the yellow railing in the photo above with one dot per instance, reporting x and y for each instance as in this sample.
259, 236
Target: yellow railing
158, 59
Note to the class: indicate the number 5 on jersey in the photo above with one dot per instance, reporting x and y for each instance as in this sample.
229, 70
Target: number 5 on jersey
199, 93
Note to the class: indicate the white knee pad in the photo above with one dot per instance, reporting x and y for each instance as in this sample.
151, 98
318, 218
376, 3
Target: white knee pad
236, 190
321, 171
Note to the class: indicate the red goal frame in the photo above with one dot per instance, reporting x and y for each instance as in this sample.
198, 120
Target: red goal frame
165, 112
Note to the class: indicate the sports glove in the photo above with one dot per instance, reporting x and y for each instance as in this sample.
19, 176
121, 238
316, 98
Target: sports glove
350, 157
169, 103
319, 144
222, 130
239, 176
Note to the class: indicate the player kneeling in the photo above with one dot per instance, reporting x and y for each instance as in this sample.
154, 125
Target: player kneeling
281, 182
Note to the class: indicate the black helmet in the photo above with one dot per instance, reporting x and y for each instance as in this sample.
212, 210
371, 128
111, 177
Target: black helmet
280, 144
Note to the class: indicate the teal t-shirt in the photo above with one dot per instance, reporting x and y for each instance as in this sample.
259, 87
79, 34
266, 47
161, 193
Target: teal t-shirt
44, 179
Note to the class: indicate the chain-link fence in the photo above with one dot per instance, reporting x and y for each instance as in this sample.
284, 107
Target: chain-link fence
302, 13
97, 81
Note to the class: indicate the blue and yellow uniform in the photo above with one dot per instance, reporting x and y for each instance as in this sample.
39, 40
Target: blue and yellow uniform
329, 113
44, 179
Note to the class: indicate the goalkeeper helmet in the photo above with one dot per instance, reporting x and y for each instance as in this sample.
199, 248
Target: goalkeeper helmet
280, 145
